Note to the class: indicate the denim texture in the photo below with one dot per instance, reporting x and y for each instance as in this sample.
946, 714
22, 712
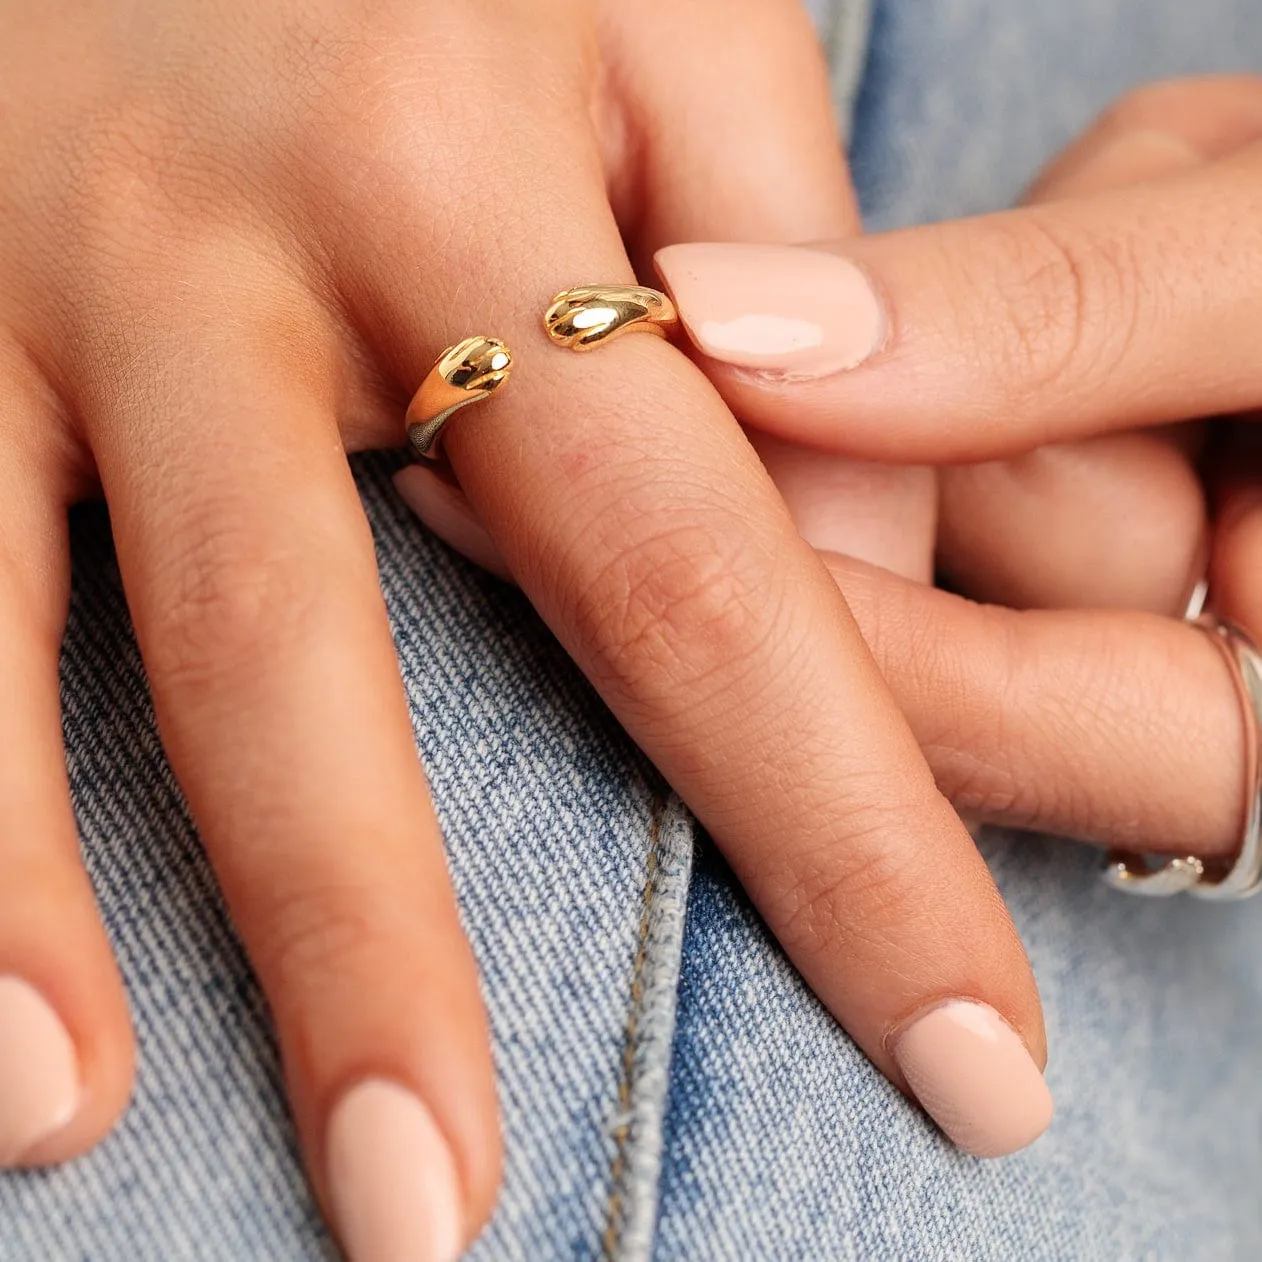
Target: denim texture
574, 867
571, 863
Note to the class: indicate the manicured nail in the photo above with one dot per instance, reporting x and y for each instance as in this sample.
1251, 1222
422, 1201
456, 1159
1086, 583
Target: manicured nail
39, 1071
781, 309
973, 1076
392, 1179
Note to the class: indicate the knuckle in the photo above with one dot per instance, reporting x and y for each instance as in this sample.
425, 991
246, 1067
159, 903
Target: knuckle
975, 745
314, 932
124, 167
232, 602
684, 603
1190, 108
1148, 106
1070, 300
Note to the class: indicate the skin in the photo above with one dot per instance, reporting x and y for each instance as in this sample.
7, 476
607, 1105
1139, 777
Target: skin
1115, 726
1120, 520
1114, 312
235, 237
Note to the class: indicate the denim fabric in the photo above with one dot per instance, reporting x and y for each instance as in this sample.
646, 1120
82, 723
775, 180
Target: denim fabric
843, 26
573, 864
781, 1141
963, 100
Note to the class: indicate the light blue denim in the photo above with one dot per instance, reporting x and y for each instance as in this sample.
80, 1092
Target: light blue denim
670, 1090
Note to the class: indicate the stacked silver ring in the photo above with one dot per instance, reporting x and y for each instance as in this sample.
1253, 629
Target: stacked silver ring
1217, 880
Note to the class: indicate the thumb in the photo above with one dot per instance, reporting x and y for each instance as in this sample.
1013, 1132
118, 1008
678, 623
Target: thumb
985, 337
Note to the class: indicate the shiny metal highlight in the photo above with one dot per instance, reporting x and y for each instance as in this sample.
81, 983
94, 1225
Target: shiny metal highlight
585, 318
1218, 880
466, 373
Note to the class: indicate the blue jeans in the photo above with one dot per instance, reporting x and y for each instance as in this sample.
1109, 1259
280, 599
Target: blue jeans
669, 1087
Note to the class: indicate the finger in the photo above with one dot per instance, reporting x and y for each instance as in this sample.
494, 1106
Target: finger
1236, 488
1116, 728
996, 335
251, 576
1109, 727
66, 1048
1119, 728
1114, 522
1118, 520
772, 169
440, 503
1154, 131
627, 503
742, 146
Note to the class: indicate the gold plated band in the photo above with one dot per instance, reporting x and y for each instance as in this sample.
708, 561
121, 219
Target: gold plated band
467, 373
581, 319
591, 315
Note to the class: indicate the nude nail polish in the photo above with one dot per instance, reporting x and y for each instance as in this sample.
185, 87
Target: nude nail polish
393, 1184
39, 1071
777, 309
973, 1075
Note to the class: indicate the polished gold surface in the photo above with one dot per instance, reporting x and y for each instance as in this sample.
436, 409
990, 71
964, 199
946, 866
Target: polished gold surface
468, 372
592, 315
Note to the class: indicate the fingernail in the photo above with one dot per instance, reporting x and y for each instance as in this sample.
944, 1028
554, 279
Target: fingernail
972, 1074
781, 309
39, 1071
392, 1180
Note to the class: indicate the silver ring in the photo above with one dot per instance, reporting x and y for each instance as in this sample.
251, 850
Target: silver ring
1214, 879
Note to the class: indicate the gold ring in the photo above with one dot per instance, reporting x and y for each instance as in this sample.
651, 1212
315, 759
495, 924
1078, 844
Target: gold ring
591, 315
466, 373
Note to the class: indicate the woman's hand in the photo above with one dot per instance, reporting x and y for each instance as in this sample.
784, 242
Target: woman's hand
235, 237
1121, 301
1119, 728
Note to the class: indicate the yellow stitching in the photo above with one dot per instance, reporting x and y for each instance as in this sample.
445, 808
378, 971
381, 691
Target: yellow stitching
614, 1217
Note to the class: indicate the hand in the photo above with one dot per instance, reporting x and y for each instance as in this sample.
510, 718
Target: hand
1095, 316
1113, 727
234, 240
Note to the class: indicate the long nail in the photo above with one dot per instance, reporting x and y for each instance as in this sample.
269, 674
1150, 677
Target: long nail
392, 1180
973, 1075
780, 309
39, 1071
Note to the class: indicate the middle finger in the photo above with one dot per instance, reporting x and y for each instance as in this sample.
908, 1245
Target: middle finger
632, 510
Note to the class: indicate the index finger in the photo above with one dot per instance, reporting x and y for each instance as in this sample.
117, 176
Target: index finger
633, 512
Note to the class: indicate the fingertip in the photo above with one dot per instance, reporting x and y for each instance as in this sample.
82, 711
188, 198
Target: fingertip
67, 1066
393, 1182
786, 311
975, 1076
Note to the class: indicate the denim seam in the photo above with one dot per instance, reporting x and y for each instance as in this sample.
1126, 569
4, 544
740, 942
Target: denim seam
648, 1038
